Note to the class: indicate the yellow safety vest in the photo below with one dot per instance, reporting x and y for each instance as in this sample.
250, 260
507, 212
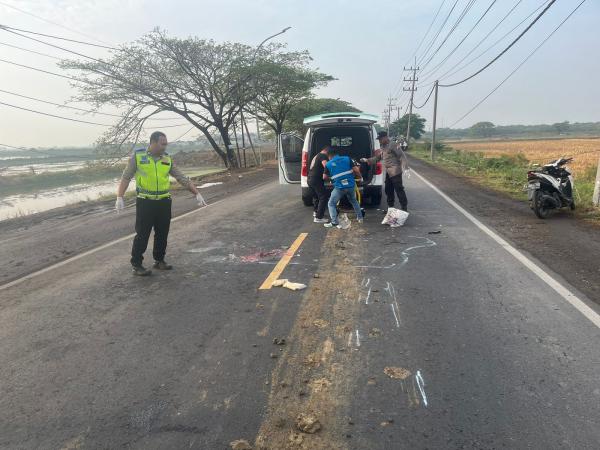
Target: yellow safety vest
152, 177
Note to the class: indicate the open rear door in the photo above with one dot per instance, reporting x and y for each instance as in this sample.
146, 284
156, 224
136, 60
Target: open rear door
290, 158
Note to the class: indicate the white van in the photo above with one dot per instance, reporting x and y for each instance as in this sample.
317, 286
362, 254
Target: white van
354, 134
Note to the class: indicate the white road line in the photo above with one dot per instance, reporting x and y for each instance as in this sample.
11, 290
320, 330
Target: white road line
421, 383
565, 293
349, 340
108, 244
357, 339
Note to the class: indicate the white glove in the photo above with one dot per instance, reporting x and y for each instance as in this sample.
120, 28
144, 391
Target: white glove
120, 204
200, 199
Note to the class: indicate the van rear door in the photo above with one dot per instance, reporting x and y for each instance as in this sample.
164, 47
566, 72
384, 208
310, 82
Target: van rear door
290, 158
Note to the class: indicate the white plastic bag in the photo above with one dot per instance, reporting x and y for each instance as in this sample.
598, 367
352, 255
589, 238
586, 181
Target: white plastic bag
343, 221
395, 217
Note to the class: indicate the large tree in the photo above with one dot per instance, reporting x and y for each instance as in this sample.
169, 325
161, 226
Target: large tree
311, 107
417, 126
280, 82
205, 82
482, 129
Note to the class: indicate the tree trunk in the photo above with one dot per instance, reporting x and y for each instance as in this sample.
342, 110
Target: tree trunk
216, 147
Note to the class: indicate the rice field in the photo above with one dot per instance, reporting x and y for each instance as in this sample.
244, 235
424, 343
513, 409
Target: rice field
585, 151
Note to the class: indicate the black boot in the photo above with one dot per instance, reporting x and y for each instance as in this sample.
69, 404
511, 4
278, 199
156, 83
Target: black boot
141, 271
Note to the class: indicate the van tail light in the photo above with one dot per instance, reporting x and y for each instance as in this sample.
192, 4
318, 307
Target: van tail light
378, 168
304, 164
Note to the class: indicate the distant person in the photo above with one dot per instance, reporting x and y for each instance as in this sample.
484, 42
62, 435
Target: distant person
317, 184
151, 168
342, 171
395, 163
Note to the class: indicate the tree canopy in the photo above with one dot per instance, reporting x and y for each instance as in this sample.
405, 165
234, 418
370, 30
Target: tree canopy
207, 83
417, 126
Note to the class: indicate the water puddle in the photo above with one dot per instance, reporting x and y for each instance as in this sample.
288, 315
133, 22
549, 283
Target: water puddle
22, 205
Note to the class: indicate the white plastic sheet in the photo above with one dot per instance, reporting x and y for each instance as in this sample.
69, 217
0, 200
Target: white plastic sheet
395, 217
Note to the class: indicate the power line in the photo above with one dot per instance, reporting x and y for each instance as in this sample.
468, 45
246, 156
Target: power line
54, 46
506, 49
397, 86
54, 23
426, 101
428, 29
39, 70
453, 72
76, 108
520, 65
441, 63
30, 51
462, 15
437, 34
54, 115
480, 42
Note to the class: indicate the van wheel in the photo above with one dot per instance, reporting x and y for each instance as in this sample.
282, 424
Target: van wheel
308, 201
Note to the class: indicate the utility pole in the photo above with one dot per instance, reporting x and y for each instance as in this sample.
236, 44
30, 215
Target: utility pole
412, 90
398, 109
596, 197
435, 100
390, 108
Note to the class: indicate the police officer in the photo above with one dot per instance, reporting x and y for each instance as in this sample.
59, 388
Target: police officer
396, 164
151, 168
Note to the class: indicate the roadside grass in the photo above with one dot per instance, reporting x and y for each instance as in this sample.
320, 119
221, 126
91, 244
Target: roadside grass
506, 174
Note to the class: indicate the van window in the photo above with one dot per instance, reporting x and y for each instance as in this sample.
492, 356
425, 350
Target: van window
341, 141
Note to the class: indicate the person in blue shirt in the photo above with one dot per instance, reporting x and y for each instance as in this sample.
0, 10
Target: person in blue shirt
342, 173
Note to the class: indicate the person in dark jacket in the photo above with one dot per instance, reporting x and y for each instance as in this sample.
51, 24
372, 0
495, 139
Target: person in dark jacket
317, 184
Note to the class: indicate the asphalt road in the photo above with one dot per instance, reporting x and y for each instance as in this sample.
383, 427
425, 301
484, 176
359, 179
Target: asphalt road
403, 339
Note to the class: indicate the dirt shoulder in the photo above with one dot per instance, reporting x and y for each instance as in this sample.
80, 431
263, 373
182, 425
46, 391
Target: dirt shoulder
33, 242
567, 246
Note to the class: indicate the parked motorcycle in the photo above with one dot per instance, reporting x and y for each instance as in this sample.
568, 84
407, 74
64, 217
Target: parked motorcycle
550, 187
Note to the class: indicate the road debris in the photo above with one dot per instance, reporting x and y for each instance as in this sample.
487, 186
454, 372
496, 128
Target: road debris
399, 373
320, 384
279, 341
284, 282
296, 438
435, 232
240, 444
274, 355
308, 423
375, 332
320, 323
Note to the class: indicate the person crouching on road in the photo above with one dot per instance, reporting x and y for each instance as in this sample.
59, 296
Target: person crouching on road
317, 184
395, 163
342, 172
152, 168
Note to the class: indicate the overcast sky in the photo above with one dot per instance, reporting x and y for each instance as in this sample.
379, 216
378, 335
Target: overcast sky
363, 44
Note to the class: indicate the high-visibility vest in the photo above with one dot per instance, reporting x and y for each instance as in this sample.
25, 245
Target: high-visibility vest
152, 177
340, 172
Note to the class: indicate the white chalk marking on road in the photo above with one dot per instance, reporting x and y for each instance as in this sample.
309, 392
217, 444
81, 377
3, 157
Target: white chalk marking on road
349, 339
368, 281
421, 385
357, 339
362, 283
368, 296
395, 316
108, 244
561, 290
